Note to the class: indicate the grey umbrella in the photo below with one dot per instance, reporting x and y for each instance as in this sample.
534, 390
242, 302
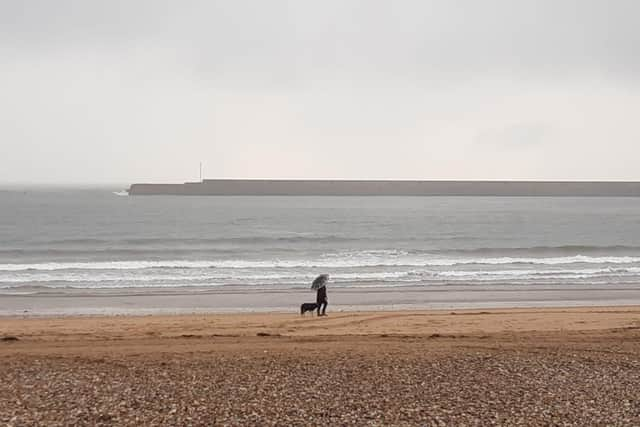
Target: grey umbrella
320, 281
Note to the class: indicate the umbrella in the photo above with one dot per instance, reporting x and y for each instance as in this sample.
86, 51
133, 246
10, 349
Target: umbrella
320, 281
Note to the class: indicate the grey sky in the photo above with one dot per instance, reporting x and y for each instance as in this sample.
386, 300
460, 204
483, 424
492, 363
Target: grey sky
124, 91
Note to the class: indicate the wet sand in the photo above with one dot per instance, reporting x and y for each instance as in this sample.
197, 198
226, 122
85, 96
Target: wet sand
576, 366
231, 299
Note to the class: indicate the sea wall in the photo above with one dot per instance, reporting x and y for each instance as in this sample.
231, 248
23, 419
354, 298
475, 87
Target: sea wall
242, 187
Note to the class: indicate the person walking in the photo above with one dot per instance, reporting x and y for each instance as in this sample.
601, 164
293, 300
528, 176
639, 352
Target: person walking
320, 285
321, 300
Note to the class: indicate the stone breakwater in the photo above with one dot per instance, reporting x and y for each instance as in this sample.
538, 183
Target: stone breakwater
249, 187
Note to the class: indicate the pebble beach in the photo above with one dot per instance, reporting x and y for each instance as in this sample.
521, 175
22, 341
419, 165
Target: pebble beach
577, 367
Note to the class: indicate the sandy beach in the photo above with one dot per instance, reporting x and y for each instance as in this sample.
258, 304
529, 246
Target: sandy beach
529, 366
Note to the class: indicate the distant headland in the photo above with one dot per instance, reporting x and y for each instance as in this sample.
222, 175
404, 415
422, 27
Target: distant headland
268, 187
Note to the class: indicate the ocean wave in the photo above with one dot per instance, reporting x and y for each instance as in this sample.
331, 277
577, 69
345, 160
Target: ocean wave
174, 251
111, 253
107, 285
88, 277
542, 274
327, 262
541, 250
283, 277
201, 241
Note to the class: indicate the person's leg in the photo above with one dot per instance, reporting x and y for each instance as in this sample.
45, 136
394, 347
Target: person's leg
324, 306
318, 304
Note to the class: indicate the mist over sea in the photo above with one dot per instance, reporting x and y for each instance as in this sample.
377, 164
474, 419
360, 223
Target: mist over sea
65, 241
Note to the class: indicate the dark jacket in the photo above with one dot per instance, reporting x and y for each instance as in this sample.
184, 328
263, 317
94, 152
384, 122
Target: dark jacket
321, 296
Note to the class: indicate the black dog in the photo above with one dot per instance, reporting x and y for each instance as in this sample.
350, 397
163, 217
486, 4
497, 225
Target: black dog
307, 306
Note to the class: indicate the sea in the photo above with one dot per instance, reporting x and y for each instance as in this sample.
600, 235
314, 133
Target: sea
58, 241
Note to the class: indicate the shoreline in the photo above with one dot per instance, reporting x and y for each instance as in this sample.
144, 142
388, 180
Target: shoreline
445, 297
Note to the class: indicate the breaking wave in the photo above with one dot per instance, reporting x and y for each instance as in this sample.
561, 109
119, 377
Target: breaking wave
334, 261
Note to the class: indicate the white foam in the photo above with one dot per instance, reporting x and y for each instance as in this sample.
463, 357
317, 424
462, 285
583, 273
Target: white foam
366, 260
587, 272
129, 277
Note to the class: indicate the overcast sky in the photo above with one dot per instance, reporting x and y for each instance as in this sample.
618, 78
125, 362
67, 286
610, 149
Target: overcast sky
142, 91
